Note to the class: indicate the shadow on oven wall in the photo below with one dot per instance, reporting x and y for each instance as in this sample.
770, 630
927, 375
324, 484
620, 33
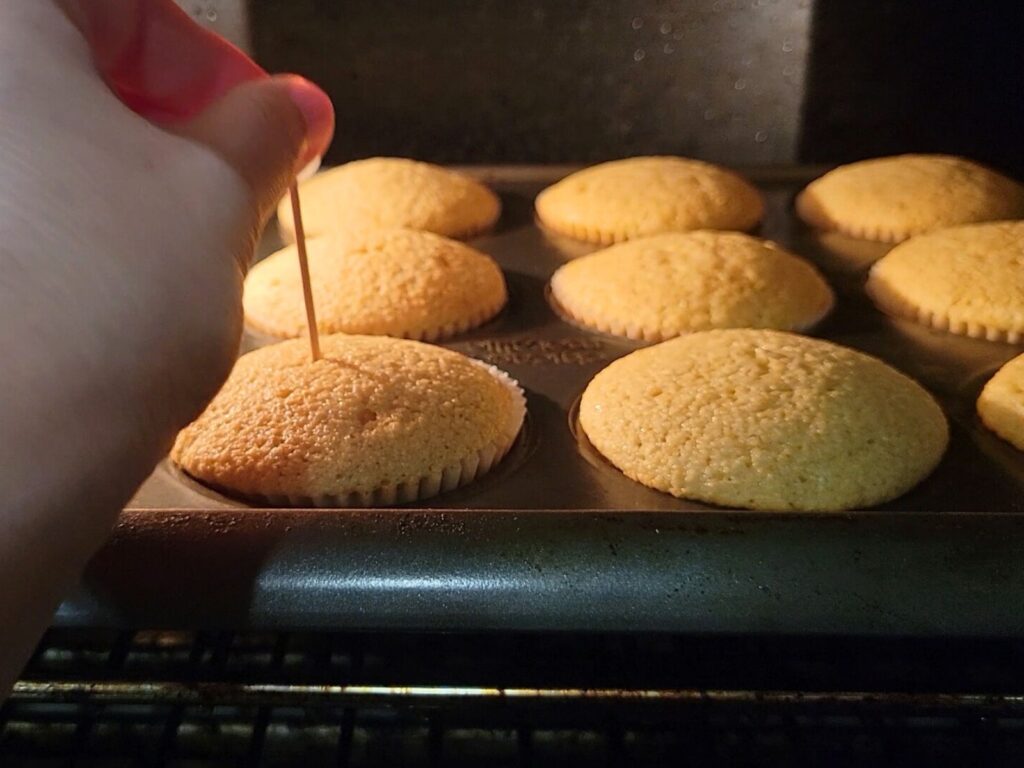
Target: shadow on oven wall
747, 82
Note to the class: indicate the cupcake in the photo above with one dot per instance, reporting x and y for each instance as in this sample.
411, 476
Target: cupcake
662, 286
892, 198
376, 422
1001, 404
392, 192
965, 280
764, 420
626, 199
393, 282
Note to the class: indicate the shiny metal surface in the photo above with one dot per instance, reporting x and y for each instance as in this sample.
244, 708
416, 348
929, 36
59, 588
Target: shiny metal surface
558, 539
150, 692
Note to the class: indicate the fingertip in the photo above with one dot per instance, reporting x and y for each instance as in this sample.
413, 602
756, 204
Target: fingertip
309, 170
317, 111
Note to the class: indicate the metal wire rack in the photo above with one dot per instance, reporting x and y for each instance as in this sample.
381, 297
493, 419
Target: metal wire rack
246, 699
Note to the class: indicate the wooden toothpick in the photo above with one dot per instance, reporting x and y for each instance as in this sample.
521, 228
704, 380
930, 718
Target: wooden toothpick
307, 289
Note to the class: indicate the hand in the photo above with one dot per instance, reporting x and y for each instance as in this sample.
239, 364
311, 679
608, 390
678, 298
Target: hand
124, 238
169, 209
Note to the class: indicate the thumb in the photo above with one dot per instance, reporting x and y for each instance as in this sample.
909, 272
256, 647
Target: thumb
267, 130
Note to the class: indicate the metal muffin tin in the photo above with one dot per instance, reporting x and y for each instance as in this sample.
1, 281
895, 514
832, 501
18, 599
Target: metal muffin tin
557, 539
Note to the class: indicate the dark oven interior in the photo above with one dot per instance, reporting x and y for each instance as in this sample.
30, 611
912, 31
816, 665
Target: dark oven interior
749, 83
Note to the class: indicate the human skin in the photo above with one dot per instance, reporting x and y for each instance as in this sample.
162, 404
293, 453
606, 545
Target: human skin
139, 159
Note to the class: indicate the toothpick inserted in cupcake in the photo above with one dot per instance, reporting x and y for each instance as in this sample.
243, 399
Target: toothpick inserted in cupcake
307, 289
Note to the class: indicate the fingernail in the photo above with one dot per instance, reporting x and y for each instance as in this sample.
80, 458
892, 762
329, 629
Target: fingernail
317, 111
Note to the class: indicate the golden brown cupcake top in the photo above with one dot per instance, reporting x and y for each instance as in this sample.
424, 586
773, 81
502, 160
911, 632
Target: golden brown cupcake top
967, 280
893, 198
764, 420
394, 282
658, 287
1001, 404
626, 199
392, 192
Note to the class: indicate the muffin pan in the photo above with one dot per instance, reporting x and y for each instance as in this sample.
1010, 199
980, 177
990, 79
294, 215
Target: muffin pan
556, 538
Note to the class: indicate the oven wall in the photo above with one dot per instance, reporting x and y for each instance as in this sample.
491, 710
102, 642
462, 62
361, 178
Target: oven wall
549, 80
738, 81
